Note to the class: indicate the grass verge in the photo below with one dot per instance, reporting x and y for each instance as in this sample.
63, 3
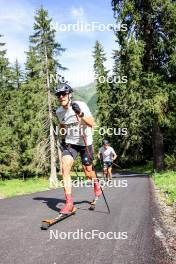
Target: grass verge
14, 187
166, 182
147, 168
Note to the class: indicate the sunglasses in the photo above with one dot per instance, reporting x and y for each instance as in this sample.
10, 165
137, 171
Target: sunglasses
61, 94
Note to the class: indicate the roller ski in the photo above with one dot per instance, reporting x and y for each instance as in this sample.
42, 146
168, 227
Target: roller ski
61, 216
93, 204
65, 212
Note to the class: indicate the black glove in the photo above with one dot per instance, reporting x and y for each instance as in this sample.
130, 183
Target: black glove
62, 144
76, 108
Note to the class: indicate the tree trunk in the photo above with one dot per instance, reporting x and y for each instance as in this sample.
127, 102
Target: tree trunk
150, 66
60, 157
59, 152
53, 175
127, 145
158, 148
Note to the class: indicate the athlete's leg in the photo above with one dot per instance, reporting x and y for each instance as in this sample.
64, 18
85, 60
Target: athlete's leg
110, 173
105, 172
86, 154
90, 173
87, 159
67, 163
105, 168
68, 157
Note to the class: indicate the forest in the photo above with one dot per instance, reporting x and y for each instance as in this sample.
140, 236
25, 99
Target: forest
139, 94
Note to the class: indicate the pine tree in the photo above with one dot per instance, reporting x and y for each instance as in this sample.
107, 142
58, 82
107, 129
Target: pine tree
41, 63
102, 86
18, 75
9, 143
5, 71
126, 99
32, 66
146, 21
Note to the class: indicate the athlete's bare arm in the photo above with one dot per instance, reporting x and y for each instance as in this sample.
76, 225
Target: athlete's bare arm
88, 120
114, 156
99, 155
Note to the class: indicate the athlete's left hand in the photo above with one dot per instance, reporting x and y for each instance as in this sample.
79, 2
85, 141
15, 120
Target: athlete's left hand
76, 108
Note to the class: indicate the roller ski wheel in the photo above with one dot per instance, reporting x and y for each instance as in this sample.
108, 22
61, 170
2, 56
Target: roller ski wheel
49, 222
93, 204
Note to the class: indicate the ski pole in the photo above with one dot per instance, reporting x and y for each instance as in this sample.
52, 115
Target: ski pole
117, 165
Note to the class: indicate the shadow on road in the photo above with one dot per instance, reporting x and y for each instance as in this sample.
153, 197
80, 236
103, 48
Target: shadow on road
52, 202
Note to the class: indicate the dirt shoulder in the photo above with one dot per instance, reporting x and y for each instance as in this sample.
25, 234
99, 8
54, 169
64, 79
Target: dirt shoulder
165, 227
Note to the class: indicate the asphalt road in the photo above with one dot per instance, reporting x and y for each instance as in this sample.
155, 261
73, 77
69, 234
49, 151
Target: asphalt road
23, 242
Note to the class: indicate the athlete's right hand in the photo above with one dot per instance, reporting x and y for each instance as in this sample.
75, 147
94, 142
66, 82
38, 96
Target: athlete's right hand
76, 108
62, 144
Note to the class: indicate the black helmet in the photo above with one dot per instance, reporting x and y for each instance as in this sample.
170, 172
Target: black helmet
105, 142
63, 88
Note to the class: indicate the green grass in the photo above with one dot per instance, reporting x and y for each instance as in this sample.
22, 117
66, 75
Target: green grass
14, 187
166, 182
80, 174
9, 188
147, 168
